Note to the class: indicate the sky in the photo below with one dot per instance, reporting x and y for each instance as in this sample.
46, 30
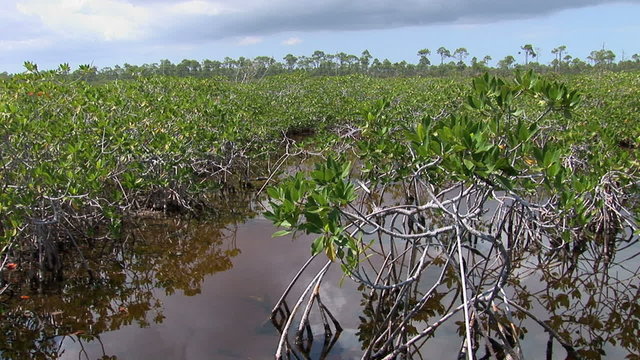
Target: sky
113, 32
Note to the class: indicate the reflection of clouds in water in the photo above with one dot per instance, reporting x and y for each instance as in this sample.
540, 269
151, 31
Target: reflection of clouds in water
155, 343
345, 303
228, 320
228, 317
346, 348
337, 297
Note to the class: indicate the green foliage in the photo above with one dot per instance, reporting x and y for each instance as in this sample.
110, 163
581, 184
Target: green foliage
311, 204
89, 153
524, 136
101, 150
73, 150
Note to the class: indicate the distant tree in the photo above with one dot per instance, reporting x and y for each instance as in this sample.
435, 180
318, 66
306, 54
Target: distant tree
365, 60
149, 69
577, 65
402, 68
424, 60
263, 63
108, 72
601, 57
593, 57
352, 62
375, 64
608, 56
318, 58
507, 62
118, 71
188, 67
166, 67
567, 59
328, 65
131, 70
211, 67
528, 51
476, 64
485, 60
290, 60
305, 63
243, 69
343, 62
479, 65
460, 54
444, 53
558, 53
386, 68
227, 63
635, 57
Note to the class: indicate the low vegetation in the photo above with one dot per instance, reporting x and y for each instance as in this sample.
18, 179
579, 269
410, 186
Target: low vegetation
412, 171
518, 172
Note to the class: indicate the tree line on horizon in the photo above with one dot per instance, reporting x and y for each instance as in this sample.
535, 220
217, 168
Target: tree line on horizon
320, 63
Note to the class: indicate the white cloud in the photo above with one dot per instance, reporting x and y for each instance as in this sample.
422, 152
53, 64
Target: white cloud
281, 16
207, 20
250, 40
126, 30
198, 7
13, 45
90, 19
292, 41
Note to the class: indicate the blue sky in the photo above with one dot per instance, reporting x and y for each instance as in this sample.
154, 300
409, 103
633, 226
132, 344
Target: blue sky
110, 32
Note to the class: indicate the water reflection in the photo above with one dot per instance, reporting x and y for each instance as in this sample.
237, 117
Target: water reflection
587, 297
107, 285
135, 300
530, 297
590, 304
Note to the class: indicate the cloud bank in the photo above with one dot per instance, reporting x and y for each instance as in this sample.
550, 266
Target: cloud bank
250, 40
205, 20
105, 32
292, 41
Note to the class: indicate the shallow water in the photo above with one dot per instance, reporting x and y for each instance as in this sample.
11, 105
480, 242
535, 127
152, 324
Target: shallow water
228, 317
178, 289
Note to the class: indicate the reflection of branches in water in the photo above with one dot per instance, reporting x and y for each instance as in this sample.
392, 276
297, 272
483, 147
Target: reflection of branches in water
282, 318
179, 261
593, 300
462, 255
171, 254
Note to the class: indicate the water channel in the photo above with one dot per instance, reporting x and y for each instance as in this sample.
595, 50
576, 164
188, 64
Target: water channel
204, 289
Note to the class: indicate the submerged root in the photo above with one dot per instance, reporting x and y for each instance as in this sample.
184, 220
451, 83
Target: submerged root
465, 270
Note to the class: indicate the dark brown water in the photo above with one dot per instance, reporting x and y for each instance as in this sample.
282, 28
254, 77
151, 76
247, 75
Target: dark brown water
227, 315
178, 289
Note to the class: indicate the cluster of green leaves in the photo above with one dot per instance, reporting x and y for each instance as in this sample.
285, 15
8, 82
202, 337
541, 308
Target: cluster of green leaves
521, 135
103, 148
501, 141
107, 147
312, 205
82, 147
608, 121
96, 150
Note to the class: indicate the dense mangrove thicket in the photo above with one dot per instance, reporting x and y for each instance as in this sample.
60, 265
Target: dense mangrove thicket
77, 156
446, 218
465, 176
